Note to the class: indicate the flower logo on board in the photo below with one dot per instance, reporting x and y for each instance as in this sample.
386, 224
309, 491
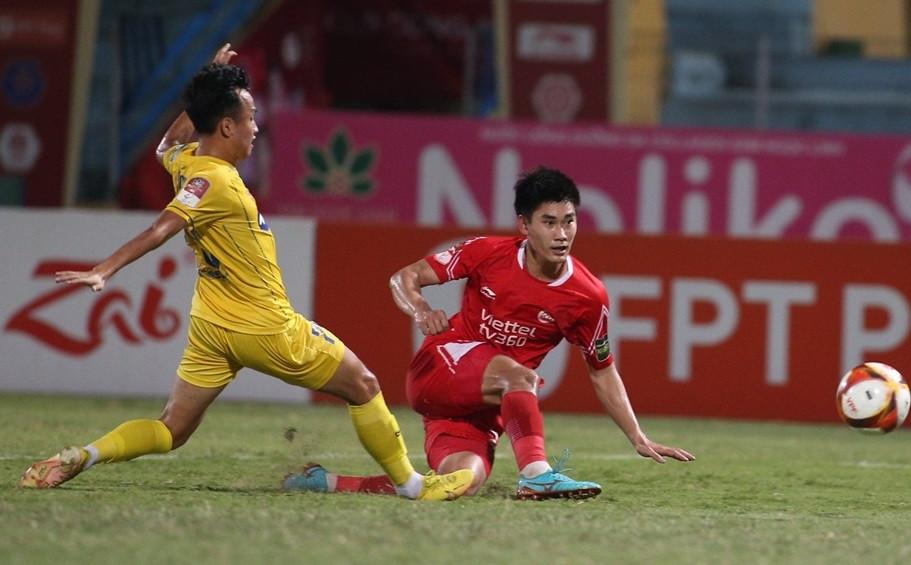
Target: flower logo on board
339, 168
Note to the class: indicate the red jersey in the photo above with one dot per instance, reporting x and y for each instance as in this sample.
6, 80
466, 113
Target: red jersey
523, 316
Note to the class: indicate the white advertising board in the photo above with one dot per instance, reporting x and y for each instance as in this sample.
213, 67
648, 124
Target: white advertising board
127, 339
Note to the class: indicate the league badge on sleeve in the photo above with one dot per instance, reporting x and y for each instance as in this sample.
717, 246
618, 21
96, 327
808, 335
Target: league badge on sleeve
602, 348
193, 191
600, 344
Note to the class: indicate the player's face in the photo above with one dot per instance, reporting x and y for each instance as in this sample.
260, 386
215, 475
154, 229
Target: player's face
550, 233
245, 125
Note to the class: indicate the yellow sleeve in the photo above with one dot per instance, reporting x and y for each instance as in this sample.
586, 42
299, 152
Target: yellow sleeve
170, 157
199, 200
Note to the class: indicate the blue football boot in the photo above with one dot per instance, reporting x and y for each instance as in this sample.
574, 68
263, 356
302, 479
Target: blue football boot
554, 484
312, 478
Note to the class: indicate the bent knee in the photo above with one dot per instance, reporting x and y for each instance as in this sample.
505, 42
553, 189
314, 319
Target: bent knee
362, 386
354, 387
368, 383
520, 378
504, 374
476, 484
466, 460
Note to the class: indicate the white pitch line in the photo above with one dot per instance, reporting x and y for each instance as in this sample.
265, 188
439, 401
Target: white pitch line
609, 456
876, 465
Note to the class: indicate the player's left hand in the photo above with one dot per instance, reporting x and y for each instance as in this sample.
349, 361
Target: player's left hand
90, 279
658, 452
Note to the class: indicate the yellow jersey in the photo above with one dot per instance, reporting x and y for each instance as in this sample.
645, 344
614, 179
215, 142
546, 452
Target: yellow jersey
240, 284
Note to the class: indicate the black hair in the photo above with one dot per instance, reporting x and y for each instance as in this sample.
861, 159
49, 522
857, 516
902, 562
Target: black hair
541, 185
213, 95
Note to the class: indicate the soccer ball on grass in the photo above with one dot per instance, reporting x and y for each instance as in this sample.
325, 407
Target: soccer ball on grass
873, 398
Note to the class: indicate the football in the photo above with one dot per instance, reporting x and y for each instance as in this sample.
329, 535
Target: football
873, 398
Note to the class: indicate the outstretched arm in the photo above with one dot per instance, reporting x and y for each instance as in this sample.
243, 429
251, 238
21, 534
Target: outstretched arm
406, 286
165, 226
182, 130
612, 394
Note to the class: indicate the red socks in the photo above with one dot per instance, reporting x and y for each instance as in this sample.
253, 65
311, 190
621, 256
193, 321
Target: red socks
524, 425
380, 484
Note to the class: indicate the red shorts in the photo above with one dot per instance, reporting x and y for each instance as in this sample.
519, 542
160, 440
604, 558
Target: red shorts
443, 384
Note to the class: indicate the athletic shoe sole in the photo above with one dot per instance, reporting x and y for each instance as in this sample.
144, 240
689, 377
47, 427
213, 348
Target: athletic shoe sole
525, 493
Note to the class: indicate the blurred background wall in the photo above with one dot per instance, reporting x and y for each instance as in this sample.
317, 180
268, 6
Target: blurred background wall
747, 159
93, 83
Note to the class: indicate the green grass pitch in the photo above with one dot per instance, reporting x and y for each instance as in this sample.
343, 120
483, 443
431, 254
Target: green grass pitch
757, 493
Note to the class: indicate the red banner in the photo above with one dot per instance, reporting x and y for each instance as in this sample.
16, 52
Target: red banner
36, 66
710, 327
558, 66
459, 172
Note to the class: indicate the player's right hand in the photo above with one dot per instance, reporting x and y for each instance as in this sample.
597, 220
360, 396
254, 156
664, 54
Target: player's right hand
223, 56
431, 322
90, 279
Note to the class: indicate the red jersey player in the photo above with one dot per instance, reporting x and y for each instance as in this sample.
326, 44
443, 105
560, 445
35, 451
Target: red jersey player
474, 376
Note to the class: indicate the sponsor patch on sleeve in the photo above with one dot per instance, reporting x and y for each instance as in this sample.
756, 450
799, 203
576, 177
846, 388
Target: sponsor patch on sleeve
193, 191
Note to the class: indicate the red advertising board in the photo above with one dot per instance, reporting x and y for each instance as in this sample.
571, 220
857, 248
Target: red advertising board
700, 327
36, 67
706, 327
460, 172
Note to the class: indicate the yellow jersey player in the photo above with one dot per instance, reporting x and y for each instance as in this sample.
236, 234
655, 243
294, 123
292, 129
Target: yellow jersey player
240, 315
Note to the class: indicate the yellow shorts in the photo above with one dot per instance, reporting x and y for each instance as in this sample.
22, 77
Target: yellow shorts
305, 354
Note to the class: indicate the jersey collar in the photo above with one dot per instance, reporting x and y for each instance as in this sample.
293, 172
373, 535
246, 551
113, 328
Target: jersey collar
520, 257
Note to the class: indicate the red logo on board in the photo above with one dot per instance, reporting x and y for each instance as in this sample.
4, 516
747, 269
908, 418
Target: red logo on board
113, 309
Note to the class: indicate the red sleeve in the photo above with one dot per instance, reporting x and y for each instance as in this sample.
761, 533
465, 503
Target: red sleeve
460, 260
590, 333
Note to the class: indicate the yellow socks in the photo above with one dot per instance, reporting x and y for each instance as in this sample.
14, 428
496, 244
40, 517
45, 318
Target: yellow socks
379, 434
130, 440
